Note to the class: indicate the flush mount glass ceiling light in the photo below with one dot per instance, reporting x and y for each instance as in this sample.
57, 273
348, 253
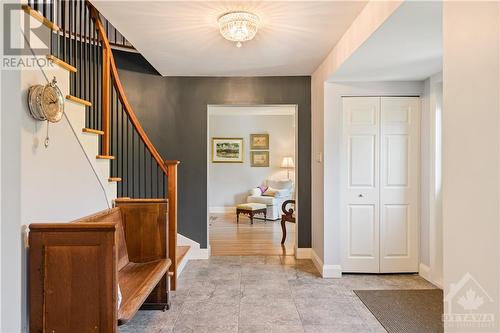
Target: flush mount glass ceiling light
238, 26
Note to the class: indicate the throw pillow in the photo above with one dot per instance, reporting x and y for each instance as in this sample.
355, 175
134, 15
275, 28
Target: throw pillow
263, 189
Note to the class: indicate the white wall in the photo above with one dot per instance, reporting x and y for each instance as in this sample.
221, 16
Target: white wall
229, 182
38, 185
471, 153
368, 21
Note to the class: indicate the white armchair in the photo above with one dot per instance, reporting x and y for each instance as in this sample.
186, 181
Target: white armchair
283, 190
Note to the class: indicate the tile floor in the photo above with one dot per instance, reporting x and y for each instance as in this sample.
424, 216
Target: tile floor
267, 294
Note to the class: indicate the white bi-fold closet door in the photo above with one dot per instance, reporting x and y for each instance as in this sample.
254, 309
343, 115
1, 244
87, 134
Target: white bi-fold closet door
380, 184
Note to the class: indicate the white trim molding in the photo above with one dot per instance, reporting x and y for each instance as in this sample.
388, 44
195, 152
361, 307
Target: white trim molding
195, 252
303, 253
326, 271
221, 210
425, 272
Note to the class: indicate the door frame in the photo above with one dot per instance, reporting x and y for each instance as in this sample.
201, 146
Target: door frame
210, 108
435, 269
343, 180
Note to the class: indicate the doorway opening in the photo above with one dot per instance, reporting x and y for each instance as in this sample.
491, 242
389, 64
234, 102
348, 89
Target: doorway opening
252, 171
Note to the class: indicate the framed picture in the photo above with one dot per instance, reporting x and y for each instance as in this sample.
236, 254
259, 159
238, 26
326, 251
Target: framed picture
259, 158
227, 150
259, 141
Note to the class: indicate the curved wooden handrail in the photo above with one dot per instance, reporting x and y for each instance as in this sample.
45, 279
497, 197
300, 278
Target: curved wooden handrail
121, 92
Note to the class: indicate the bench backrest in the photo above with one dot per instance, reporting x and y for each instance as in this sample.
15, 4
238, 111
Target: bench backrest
115, 216
145, 227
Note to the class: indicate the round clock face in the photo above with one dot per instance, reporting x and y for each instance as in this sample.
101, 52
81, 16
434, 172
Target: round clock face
34, 102
52, 103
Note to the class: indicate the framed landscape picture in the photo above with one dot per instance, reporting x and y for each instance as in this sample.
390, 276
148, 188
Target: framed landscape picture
227, 150
259, 141
259, 158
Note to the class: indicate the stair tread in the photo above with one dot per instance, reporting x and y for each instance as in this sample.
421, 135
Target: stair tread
78, 100
181, 252
62, 63
105, 157
42, 19
92, 131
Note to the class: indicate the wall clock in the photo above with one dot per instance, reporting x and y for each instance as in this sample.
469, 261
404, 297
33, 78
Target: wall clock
46, 102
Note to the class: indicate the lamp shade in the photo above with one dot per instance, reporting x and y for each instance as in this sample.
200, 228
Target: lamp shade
287, 162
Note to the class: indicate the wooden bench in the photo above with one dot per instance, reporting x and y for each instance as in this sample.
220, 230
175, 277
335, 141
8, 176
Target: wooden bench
75, 268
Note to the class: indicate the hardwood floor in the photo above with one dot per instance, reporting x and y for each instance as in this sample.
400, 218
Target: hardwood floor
227, 238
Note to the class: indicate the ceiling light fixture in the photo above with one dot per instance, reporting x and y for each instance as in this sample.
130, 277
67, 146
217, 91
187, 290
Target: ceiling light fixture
238, 26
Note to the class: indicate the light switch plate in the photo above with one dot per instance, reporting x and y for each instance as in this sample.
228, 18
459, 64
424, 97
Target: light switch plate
319, 157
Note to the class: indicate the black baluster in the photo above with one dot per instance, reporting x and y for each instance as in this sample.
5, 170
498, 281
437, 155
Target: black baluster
63, 25
99, 82
157, 179
80, 67
85, 57
74, 41
151, 175
164, 178
58, 22
94, 76
70, 28
144, 172
122, 134
70, 31
133, 162
129, 176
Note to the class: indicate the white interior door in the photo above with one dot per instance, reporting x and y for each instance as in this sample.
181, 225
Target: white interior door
399, 185
360, 207
380, 168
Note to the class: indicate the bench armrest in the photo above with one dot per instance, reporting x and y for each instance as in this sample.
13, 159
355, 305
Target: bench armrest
72, 277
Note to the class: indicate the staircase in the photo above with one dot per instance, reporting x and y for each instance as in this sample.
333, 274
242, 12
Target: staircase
125, 160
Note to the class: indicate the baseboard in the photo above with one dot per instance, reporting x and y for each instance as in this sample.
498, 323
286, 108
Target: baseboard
326, 271
303, 253
425, 272
203, 254
221, 210
195, 252
438, 283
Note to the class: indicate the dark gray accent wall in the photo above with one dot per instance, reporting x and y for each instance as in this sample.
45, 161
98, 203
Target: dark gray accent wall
173, 112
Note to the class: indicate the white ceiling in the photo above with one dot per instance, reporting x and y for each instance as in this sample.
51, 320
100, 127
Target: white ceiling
408, 46
181, 38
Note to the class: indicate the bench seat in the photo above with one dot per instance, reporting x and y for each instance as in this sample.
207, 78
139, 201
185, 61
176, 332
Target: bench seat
137, 281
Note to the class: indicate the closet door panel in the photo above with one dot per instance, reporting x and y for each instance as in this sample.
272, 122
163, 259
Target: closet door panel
399, 186
360, 184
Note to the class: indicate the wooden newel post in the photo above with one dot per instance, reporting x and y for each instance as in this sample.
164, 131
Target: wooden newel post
105, 101
172, 218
